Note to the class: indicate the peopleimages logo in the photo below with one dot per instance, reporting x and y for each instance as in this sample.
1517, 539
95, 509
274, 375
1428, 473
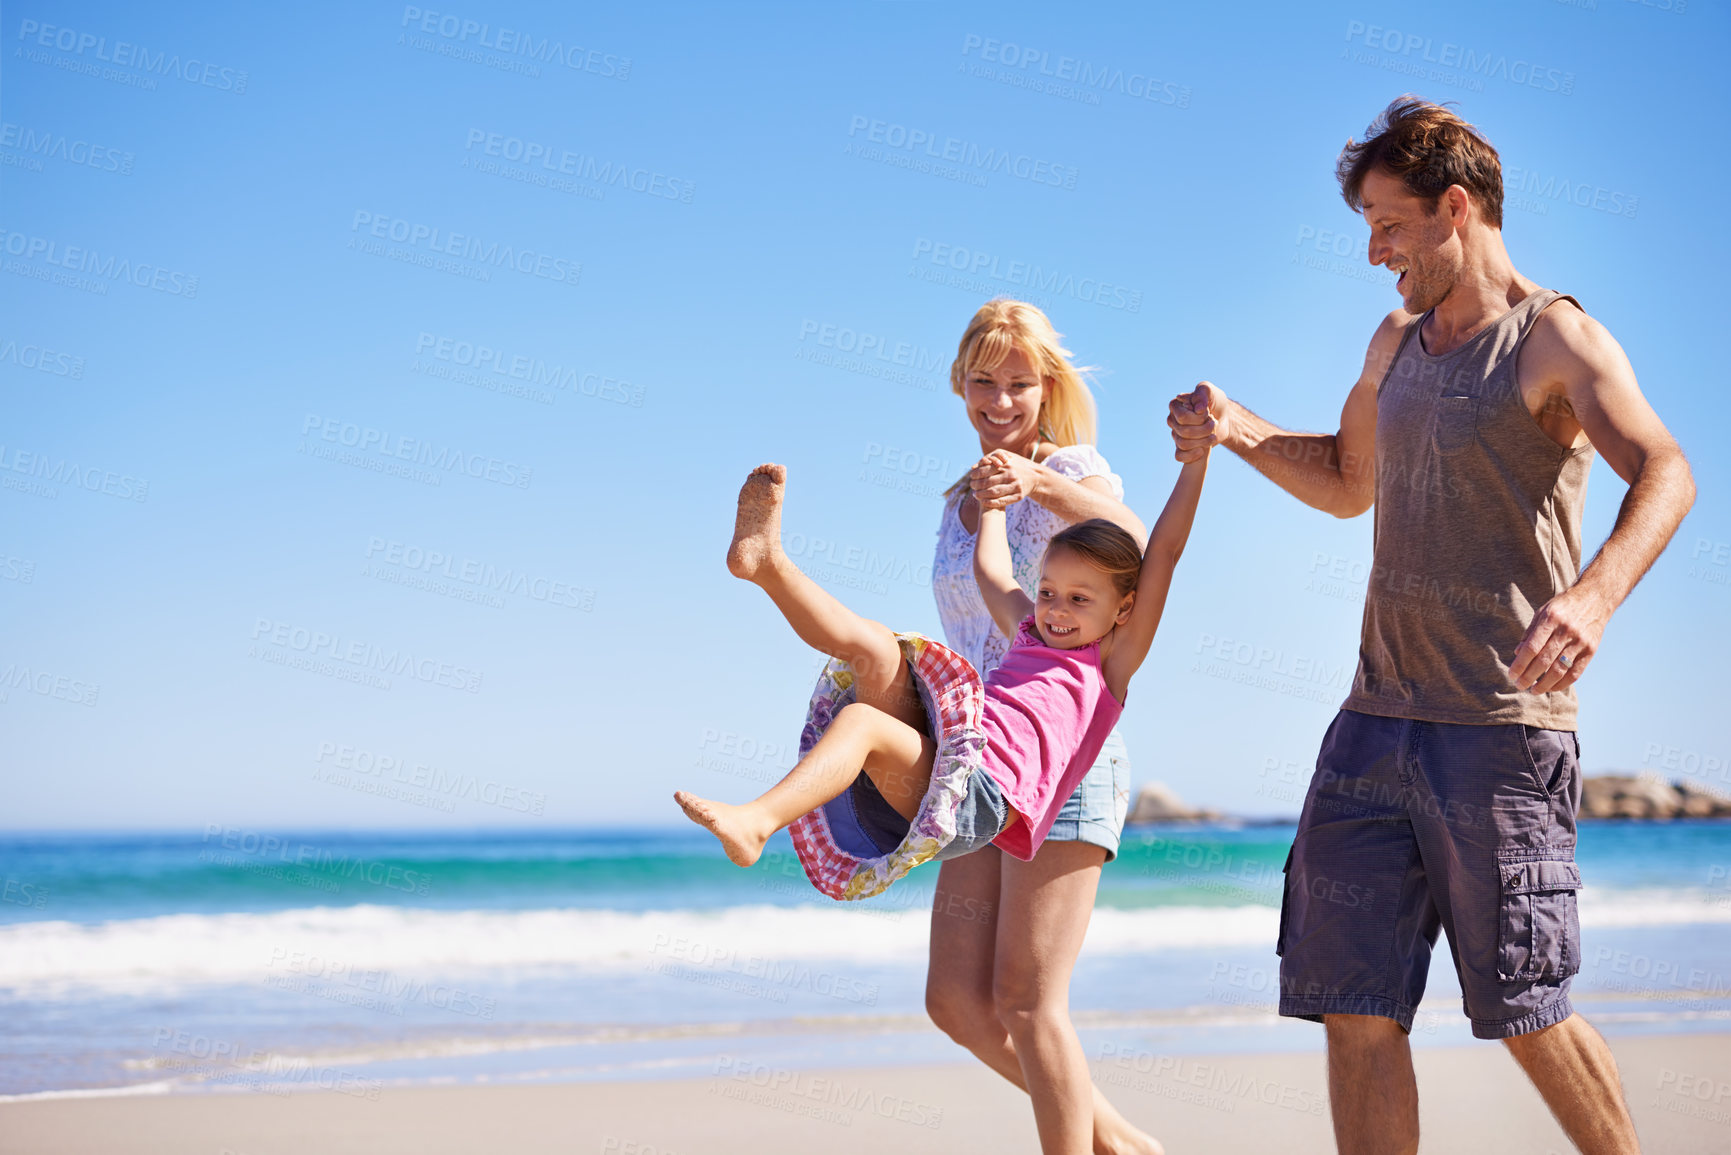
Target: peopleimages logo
63, 471
442, 242
40, 358
987, 159
1085, 76
395, 447
48, 684
309, 856
125, 55
580, 166
479, 574
971, 269
487, 362
71, 150
1405, 50
364, 656
509, 42
80, 259
1528, 188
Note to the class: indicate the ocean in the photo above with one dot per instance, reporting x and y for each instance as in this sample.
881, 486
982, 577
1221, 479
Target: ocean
236, 959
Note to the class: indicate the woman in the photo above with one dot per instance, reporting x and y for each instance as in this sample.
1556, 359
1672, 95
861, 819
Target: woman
1005, 934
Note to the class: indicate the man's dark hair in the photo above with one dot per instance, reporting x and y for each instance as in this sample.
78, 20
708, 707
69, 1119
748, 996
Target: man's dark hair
1429, 148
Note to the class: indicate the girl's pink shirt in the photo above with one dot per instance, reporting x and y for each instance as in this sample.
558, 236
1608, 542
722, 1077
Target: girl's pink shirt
1047, 714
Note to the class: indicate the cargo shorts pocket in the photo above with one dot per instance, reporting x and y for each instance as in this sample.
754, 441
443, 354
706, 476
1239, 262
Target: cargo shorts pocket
1285, 901
1553, 757
1538, 925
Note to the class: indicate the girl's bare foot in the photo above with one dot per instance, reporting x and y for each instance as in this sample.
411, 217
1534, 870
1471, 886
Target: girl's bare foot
732, 825
757, 526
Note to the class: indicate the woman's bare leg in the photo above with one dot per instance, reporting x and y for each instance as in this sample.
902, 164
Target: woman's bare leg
966, 908
896, 756
820, 620
1040, 927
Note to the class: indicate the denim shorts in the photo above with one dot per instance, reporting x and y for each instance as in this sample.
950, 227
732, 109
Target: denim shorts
980, 818
1094, 813
1413, 827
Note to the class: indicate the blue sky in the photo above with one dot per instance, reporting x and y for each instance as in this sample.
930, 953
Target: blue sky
441, 338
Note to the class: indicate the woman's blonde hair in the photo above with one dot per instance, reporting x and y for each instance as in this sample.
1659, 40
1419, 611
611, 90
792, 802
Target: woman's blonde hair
1067, 414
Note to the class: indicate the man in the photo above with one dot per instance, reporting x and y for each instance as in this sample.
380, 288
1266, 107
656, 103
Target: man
1446, 789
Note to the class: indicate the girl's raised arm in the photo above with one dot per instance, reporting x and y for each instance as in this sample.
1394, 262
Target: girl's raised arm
1131, 640
994, 570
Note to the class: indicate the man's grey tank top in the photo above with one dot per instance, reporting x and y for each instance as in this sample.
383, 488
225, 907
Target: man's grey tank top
1478, 524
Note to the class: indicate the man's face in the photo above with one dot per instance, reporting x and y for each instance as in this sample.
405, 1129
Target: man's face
1409, 239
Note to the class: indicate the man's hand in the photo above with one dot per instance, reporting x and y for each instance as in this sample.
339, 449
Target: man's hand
1578, 360
1198, 421
1003, 478
1561, 641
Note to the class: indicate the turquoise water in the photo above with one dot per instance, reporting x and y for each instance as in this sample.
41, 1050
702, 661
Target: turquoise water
91, 878
244, 959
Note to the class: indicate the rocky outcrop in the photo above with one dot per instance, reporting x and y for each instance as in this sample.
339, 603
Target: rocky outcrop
1156, 802
1637, 796
1649, 796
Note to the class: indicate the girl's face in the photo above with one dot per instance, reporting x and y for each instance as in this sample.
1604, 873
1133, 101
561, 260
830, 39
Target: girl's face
1076, 603
1004, 404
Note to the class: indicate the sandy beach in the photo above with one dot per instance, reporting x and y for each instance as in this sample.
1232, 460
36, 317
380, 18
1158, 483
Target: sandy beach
1473, 1098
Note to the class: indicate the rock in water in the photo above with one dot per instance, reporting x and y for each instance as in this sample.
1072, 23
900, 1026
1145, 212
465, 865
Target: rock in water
1700, 803
1648, 796
1156, 802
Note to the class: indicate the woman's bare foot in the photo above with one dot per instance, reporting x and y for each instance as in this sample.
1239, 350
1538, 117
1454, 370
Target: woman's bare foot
732, 825
757, 526
1116, 1135
1132, 1142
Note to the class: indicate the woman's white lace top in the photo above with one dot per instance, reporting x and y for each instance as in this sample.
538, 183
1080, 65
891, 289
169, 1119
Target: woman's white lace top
968, 626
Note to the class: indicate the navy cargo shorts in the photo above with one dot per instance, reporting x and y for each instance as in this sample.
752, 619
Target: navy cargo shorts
1410, 827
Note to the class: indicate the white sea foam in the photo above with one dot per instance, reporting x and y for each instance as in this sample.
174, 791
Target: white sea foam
1653, 906
158, 1088
189, 948
49, 958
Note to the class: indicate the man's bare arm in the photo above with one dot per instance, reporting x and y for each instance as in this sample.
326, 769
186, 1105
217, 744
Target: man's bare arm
1575, 356
1336, 472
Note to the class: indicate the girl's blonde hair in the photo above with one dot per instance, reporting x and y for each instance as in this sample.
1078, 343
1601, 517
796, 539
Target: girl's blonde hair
1105, 545
1067, 414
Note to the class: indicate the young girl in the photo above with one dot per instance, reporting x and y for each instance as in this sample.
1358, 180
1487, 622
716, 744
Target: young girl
1009, 751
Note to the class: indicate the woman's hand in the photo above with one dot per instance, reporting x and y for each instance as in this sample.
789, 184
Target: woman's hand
1003, 478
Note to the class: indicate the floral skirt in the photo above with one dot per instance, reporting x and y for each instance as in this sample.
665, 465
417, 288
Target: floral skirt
840, 854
